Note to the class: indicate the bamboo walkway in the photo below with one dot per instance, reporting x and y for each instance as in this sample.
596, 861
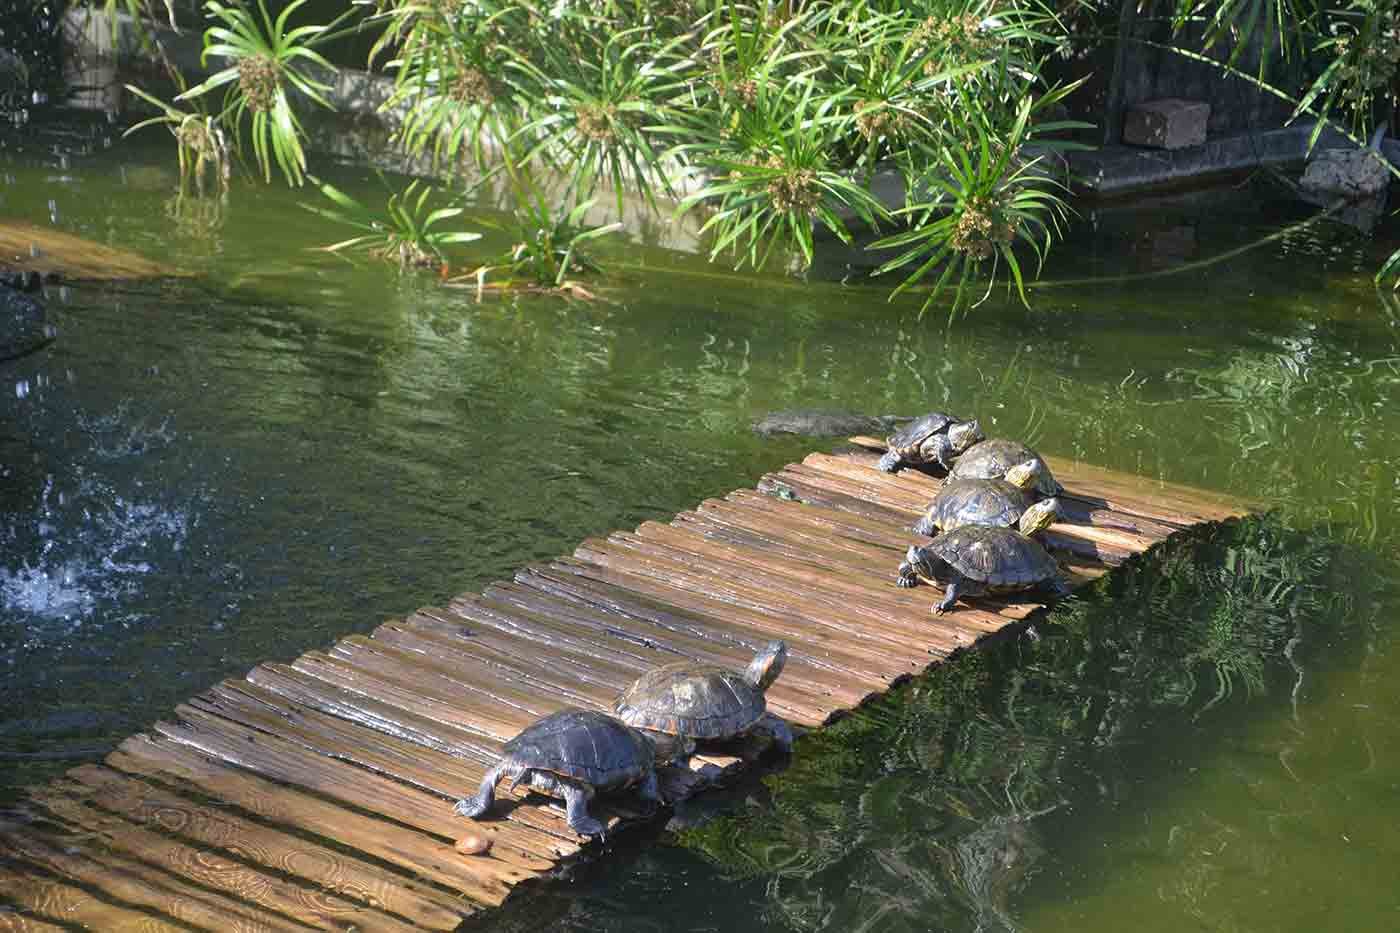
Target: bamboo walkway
317, 794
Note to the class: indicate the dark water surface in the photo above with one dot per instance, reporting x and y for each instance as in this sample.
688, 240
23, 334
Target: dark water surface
206, 472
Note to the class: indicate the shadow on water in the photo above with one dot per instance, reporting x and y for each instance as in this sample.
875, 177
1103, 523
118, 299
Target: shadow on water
941, 805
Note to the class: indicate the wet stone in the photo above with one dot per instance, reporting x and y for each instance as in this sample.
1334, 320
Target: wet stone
1169, 123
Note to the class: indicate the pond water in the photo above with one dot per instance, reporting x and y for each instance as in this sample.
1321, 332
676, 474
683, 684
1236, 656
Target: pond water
206, 472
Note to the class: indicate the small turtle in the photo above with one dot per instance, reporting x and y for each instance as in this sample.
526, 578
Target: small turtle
993, 459
977, 559
573, 754
1004, 502
702, 701
935, 437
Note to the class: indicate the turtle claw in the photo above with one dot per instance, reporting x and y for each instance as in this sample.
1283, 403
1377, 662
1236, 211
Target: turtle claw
889, 462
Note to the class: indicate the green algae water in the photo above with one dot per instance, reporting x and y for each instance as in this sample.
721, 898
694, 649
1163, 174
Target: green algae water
209, 471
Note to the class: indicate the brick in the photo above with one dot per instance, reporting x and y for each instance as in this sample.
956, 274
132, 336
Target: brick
1169, 123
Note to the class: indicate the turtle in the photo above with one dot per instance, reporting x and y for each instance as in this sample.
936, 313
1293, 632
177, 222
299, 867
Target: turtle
573, 754
692, 700
935, 437
977, 559
1005, 502
993, 459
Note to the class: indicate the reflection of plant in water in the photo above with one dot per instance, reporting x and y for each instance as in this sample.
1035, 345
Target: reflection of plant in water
953, 773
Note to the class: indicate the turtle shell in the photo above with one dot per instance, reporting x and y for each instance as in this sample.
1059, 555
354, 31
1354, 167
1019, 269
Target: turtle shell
991, 459
698, 701
1001, 558
584, 745
979, 502
906, 440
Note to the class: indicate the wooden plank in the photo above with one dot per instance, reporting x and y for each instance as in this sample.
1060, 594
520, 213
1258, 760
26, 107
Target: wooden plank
141, 885
882, 661
390, 688
329, 873
11, 921
861, 610
823, 676
705, 644
190, 870
372, 713
285, 761
460, 658
66, 903
450, 777
425, 856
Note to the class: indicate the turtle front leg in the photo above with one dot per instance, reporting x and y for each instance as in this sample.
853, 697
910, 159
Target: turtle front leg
576, 809
890, 462
908, 576
650, 791
926, 527
485, 795
950, 596
780, 731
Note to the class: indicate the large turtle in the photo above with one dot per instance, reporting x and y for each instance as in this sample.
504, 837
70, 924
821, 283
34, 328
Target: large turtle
701, 701
934, 438
1004, 502
573, 754
977, 559
993, 459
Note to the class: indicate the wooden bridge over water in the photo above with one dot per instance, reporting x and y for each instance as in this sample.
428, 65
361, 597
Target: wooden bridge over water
317, 794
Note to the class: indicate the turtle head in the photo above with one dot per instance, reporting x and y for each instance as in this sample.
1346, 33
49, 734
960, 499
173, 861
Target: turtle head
767, 665
964, 434
1025, 475
1039, 516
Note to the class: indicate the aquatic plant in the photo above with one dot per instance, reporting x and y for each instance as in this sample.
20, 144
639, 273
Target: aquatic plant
985, 197
267, 59
407, 231
202, 147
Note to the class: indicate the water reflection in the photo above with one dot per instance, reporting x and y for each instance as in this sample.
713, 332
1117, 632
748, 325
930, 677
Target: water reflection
940, 806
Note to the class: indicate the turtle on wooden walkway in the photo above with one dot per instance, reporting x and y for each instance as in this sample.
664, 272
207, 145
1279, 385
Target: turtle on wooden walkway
703, 701
573, 754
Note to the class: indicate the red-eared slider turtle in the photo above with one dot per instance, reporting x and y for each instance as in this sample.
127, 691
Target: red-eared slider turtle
702, 701
993, 459
1005, 502
572, 754
934, 438
977, 559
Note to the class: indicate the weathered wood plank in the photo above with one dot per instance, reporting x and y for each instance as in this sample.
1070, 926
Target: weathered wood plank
284, 761
449, 777
823, 677
142, 885
288, 905
66, 903
330, 874
11, 921
425, 856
